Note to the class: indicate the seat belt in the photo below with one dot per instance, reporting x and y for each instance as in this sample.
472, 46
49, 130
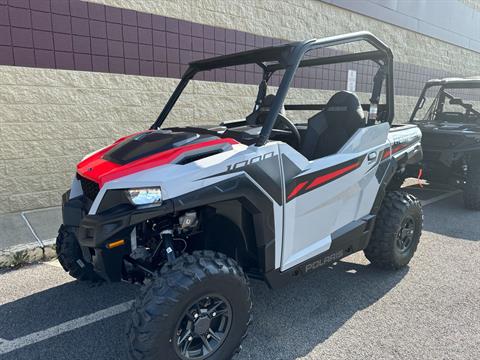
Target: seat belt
376, 93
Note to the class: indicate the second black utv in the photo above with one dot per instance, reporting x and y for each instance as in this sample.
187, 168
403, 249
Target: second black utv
448, 114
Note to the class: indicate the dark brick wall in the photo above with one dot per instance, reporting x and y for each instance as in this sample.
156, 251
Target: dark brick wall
76, 35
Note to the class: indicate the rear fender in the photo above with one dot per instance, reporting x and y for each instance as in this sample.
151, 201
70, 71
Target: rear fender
406, 146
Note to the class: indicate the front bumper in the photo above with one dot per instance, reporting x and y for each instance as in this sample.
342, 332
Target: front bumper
94, 232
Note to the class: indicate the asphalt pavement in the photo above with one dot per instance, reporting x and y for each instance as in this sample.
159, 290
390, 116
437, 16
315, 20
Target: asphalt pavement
429, 310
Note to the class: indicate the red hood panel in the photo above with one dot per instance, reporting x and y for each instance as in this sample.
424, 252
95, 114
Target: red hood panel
97, 169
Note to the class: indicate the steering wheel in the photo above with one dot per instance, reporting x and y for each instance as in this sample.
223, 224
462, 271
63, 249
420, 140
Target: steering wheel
281, 119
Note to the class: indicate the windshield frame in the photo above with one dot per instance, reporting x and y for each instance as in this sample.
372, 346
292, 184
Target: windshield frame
443, 86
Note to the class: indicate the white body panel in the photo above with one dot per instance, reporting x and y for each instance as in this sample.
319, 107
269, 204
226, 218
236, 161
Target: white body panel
176, 180
304, 225
310, 219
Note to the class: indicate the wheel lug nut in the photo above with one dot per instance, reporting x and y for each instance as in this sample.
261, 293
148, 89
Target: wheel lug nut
214, 314
195, 316
190, 338
209, 336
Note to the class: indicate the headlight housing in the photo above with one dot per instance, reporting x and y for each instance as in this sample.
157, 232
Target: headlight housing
145, 196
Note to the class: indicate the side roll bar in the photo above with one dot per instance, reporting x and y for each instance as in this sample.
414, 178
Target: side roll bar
296, 61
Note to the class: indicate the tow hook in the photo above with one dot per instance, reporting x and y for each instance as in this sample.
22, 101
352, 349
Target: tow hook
167, 238
419, 177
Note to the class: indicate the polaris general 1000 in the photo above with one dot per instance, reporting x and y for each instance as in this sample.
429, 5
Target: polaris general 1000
194, 212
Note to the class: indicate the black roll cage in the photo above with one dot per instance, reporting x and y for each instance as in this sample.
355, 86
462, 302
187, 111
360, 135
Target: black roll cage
289, 58
443, 84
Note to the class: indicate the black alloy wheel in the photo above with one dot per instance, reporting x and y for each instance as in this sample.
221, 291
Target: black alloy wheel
203, 327
405, 234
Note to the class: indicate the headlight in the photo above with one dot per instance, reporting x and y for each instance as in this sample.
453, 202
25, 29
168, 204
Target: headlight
145, 196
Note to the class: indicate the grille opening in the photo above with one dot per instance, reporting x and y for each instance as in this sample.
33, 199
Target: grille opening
90, 188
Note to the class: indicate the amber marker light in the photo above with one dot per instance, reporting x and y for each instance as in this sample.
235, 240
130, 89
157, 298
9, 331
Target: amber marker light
115, 244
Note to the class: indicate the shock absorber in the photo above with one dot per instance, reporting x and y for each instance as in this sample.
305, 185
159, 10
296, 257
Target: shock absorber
167, 239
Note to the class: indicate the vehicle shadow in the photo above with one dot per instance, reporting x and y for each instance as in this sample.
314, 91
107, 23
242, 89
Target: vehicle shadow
448, 217
291, 321
59, 304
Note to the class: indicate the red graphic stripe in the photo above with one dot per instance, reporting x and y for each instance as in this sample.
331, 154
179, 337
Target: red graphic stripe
330, 176
99, 170
396, 149
386, 154
297, 190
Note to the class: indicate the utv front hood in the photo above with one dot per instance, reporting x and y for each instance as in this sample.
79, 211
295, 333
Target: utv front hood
147, 150
450, 137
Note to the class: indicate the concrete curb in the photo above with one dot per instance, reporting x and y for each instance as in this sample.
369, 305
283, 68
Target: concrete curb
27, 254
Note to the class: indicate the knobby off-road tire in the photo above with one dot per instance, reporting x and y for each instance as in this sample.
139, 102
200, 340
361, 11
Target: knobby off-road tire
397, 231
71, 258
155, 328
471, 192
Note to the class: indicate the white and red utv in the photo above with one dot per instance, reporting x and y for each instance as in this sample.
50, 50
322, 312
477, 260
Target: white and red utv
194, 212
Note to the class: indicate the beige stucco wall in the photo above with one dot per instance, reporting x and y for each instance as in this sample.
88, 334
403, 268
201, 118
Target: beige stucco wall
51, 118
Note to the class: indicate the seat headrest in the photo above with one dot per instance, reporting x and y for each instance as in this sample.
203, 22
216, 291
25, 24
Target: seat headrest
345, 101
